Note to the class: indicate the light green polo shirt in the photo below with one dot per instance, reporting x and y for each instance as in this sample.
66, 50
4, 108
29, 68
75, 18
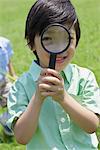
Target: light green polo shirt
56, 130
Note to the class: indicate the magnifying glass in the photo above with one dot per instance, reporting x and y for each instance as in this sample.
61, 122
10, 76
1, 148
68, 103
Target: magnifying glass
55, 39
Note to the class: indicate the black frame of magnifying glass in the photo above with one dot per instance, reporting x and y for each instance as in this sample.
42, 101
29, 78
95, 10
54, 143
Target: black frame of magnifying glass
55, 24
53, 55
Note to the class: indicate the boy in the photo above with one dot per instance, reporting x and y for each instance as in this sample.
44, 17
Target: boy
5, 66
54, 109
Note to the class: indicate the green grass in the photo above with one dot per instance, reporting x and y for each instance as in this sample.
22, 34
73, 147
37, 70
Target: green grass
12, 24
88, 52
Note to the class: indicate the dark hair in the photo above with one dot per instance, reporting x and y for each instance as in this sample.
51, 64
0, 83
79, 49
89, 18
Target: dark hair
45, 12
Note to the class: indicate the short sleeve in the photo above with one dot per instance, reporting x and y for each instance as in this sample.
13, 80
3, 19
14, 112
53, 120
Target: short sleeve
7, 46
17, 102
9, 49
91, 94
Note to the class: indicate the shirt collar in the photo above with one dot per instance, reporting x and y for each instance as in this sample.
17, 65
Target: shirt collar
35, 71
68, 72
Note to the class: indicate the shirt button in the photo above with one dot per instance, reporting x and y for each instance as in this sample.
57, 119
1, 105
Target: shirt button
62, 120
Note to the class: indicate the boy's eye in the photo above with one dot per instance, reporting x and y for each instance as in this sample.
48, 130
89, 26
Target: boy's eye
47, 38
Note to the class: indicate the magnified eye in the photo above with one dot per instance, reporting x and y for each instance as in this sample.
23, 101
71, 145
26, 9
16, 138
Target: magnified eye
46, 38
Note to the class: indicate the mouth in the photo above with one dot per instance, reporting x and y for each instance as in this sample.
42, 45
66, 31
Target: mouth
60, 59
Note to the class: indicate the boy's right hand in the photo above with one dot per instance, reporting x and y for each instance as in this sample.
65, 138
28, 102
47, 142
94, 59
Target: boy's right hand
50, 83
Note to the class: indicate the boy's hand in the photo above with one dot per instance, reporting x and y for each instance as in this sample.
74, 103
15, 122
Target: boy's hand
50, 83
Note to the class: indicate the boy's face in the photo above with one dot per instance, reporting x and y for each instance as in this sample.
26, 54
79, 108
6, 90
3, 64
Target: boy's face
62, 59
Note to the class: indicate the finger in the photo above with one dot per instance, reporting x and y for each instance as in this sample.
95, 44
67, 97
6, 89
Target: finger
51, 80
48, 93
43, 72
50, 72
54, 73
48, 87
44, 87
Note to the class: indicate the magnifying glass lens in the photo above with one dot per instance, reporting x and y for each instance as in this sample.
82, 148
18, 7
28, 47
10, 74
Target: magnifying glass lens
55, 39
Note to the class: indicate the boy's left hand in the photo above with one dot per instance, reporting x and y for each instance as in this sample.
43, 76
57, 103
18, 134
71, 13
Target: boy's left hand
53, 84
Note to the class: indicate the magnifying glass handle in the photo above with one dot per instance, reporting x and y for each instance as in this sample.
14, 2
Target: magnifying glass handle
52, 61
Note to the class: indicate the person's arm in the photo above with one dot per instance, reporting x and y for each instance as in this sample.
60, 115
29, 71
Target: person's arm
86, 119
26, 125
11, 69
